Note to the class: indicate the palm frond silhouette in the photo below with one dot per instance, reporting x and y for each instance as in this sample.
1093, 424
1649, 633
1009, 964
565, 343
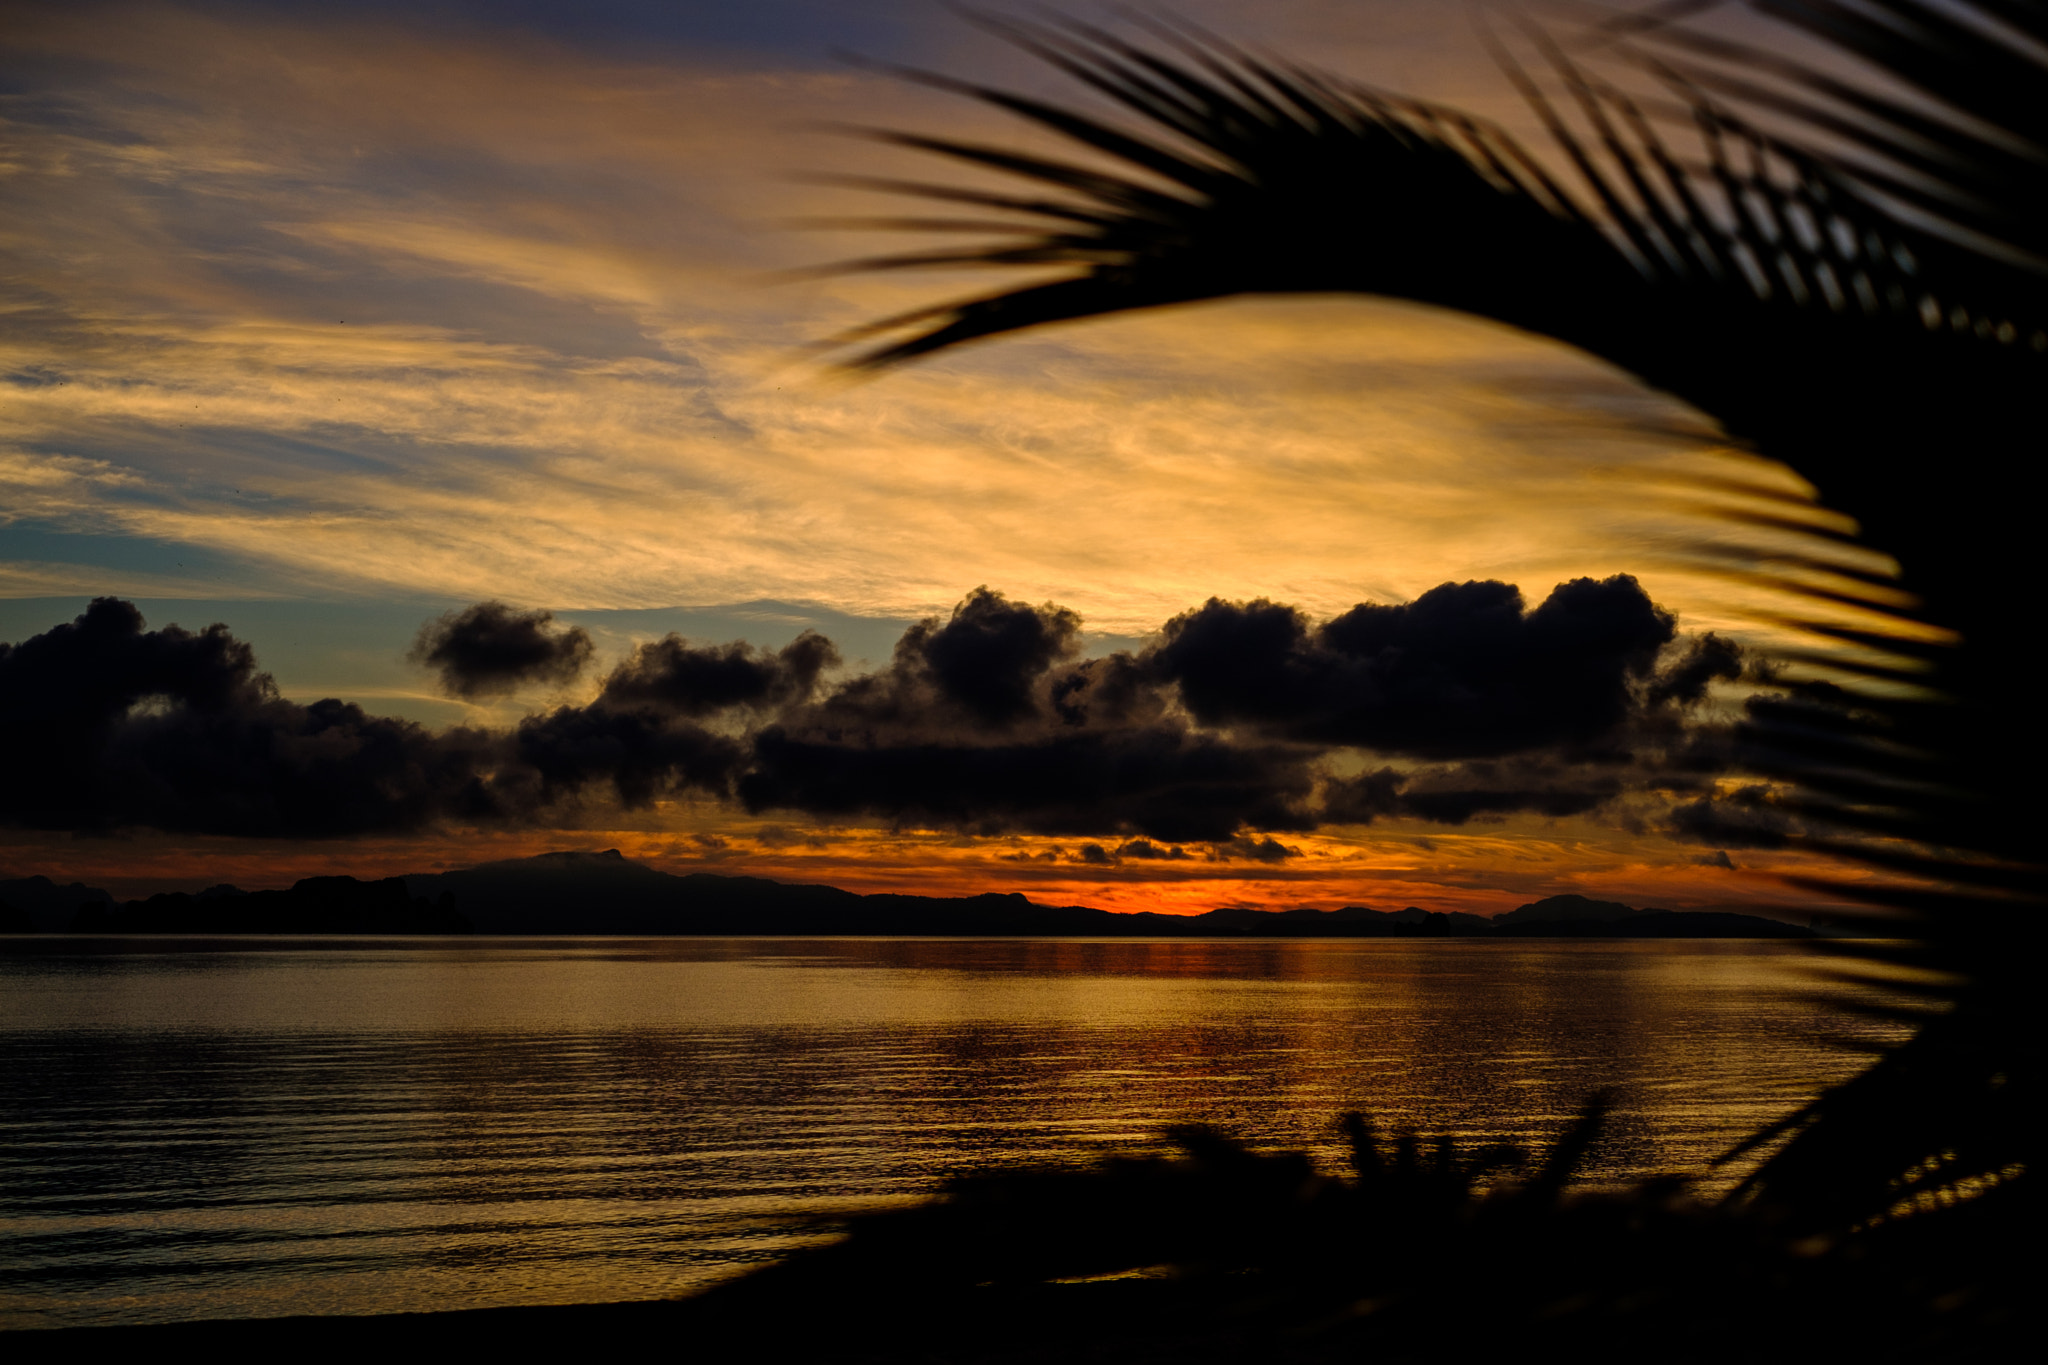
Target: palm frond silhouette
1849, 272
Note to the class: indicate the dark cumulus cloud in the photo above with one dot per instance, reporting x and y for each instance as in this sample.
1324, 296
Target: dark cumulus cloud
1266, 850
673, 677
490, 649
1817, 719
645, 735
1457, 794
1748, 817
1144, 850
1242, 846
639, 753
107, 724
1465, 669
988, 658
981, 722
1706, 660
983, 671
1238, 722
1162, 780
987, 721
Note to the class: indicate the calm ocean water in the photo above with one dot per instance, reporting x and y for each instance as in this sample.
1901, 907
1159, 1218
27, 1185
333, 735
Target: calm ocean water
242, 1127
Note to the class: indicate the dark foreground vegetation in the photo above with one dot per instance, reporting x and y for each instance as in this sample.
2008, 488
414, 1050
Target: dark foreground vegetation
1259, 1257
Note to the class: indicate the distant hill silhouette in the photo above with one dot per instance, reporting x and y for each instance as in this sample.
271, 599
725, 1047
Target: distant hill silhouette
1576, 916
314, 905
38, 905
608, 893
1570, 910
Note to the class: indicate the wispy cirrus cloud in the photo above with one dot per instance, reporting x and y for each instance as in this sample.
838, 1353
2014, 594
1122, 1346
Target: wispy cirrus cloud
371, 308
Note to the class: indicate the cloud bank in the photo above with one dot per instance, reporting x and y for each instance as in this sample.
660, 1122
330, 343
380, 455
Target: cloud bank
1237, 721
108, 726
372, 304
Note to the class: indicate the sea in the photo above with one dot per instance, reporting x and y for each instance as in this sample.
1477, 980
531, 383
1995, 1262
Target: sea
197, 1128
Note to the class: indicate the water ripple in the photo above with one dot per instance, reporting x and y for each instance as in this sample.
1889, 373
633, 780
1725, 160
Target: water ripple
213, 1130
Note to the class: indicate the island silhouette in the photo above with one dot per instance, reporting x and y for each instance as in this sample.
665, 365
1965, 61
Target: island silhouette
606, 893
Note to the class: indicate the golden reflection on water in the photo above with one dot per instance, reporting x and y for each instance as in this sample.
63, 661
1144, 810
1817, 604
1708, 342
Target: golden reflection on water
230, 1128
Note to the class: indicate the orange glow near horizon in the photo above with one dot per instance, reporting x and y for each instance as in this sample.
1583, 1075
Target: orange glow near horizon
1482, 873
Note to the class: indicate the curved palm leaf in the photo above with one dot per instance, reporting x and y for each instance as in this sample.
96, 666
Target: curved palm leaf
1847, 273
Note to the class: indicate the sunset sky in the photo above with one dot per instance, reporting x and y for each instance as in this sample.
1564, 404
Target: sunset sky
328, 323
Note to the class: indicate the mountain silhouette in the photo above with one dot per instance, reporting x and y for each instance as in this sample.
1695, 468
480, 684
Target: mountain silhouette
607, 893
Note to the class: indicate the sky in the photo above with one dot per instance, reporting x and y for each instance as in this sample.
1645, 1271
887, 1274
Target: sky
335, 324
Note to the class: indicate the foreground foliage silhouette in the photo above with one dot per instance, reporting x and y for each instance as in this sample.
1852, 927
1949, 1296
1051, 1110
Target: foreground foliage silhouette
1864, 297
1246, 1255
